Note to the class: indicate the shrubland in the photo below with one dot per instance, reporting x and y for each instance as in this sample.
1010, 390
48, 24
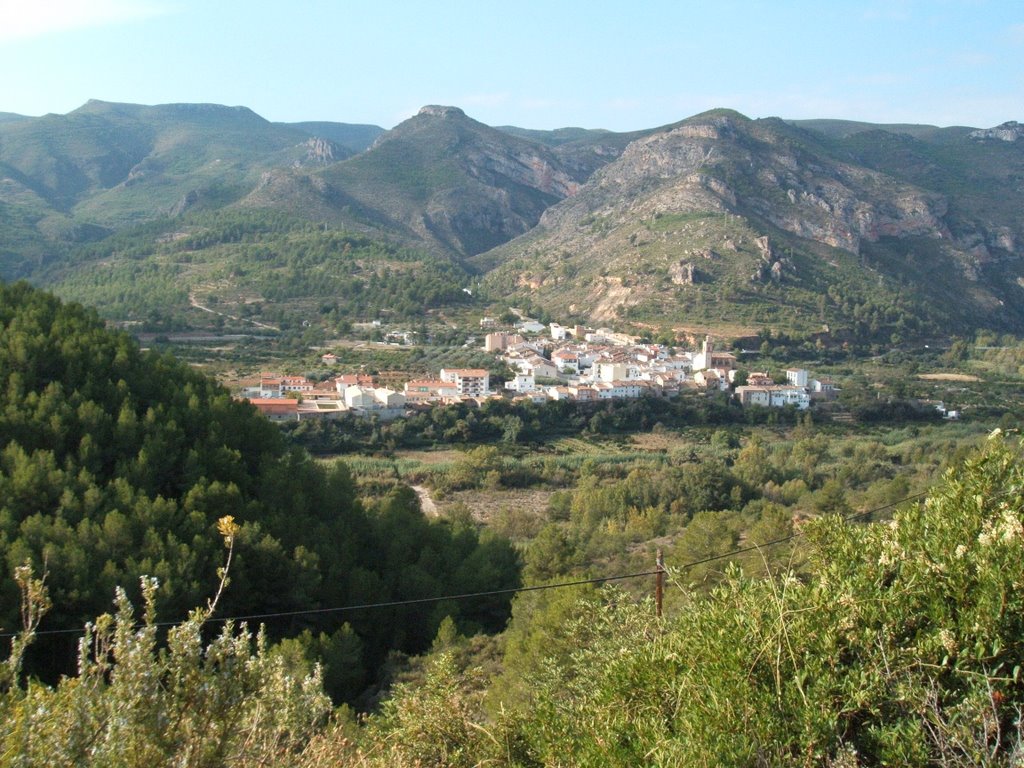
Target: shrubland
900, 643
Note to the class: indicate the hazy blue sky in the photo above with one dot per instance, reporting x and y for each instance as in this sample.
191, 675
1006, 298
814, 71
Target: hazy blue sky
543, 64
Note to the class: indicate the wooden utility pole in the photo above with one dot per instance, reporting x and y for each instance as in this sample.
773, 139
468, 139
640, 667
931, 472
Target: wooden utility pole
659, 581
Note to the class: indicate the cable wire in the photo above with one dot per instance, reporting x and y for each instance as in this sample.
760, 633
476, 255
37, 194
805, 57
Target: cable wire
493, 592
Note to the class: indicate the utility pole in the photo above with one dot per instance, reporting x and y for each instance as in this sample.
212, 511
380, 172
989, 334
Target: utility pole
659, 581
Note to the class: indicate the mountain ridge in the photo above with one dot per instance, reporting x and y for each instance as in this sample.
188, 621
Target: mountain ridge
608, 248
578, 220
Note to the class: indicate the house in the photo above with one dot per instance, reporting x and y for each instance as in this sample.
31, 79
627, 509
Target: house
536, 396
320, 409
389, 399
521, 383
535, 366
823, 389
277, 408
296, 384
330, 358
469, 382
610, 371
324, 390
341, 383
616, 390
760, 379
429, 391
669, 382
566, 360
380, 402
558, 332
531, 326
711, 378
584, 394
559, 393
755, 394
495, 342
360, 398
272, 385
682, 361
774, 396
615, 371
500, 341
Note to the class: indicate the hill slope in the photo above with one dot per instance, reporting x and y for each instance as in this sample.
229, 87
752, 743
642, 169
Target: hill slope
725, 218
116, 464
78, 177
453, 182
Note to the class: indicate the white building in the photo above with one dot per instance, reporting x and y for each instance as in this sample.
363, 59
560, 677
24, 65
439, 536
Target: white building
797, 377
535, 366
709, 357
566, 360
609, 372
521, 384
469, 382
530, 326
389, 399
774, 396
361, 398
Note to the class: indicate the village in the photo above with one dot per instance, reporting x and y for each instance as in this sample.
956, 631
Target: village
549, 362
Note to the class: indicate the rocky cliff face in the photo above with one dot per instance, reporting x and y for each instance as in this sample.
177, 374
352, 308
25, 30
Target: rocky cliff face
732, 164
323, 151
720, 172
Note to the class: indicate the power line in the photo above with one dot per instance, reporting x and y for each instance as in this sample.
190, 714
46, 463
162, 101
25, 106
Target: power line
494, 592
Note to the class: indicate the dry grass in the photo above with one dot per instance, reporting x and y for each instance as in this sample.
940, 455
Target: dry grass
486, 503
431, 457
947, 377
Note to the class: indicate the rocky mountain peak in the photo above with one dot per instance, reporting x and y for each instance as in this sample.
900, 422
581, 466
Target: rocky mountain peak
1008, 131
436, 110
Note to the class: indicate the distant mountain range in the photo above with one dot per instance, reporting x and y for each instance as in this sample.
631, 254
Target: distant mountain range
815, 225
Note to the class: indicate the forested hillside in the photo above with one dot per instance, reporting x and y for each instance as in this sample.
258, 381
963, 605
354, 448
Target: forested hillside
116, 464
251, 270
901, 644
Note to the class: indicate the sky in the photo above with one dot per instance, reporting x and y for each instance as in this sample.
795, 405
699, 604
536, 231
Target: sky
534, 64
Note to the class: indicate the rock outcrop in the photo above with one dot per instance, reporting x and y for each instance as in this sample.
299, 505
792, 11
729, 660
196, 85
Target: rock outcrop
1009, 131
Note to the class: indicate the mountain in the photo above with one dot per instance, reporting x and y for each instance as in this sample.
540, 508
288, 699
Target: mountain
843, 129
458, 185
760, 222
78, 177
445, 181
823, 226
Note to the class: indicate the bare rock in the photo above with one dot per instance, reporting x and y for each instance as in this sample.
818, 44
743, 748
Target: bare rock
321, 151
1009, 131
682, 273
